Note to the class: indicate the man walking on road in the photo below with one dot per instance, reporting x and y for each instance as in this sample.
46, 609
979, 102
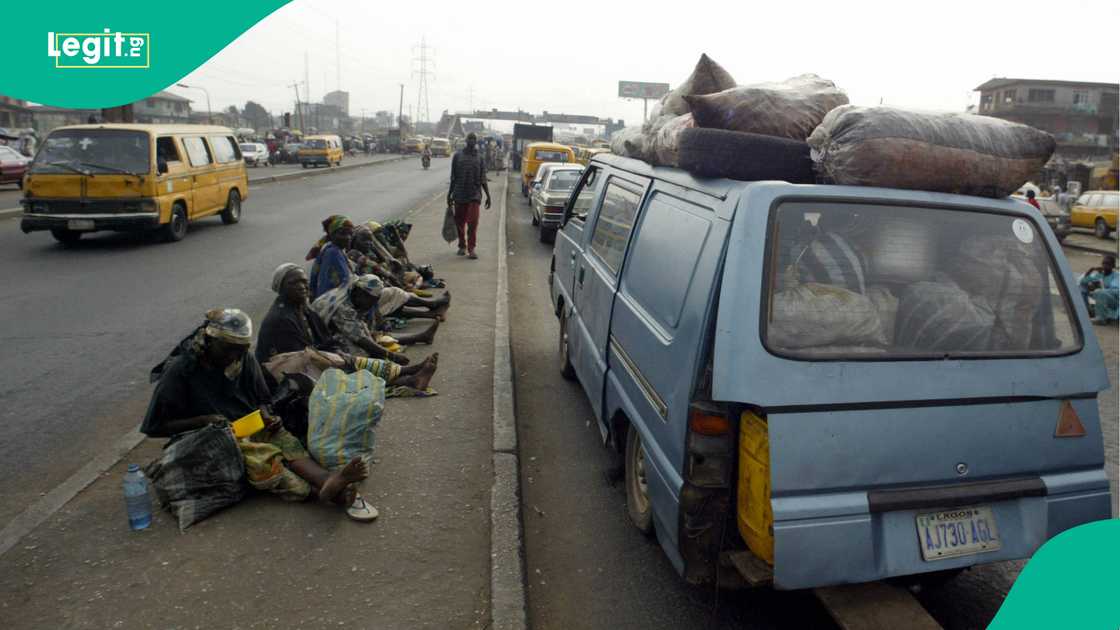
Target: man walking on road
468, 177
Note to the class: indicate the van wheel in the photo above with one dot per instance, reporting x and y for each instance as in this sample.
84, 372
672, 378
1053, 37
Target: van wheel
176, 228
566, 369
1100, 228
535, 221
547, 235
65, 236
637, 489
232, 213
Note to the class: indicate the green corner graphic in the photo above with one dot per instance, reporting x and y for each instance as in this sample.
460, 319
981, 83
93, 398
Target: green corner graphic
168, 42
1069, 583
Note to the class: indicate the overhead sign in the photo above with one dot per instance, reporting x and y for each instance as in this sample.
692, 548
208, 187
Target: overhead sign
638, 89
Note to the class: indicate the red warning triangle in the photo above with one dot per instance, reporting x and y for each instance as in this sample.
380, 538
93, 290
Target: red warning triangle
1069, 425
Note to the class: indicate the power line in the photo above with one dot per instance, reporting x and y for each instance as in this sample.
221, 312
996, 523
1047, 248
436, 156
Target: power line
422, 104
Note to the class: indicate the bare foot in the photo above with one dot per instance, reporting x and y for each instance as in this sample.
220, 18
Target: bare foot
429, 335
353, 472
427, 371
347, 497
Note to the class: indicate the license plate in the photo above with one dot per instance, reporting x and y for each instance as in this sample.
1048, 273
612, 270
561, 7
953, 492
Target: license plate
960, 532
79, 224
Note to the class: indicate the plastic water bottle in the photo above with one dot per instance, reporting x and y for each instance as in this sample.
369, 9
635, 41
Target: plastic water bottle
136, 498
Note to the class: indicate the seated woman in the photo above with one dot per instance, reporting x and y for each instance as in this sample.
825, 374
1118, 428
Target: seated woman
332, 267
370, 256
291, 325
211, 377
348, 310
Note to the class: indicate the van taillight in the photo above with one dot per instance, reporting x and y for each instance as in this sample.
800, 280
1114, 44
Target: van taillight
711, 446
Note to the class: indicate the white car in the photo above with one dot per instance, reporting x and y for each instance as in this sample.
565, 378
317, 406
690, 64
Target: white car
255, 154
550, 194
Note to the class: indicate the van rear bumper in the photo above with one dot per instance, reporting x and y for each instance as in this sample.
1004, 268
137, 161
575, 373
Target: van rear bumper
841, 538
101, 222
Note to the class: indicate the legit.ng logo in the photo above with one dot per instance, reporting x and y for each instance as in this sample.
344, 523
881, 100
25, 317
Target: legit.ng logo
106, 50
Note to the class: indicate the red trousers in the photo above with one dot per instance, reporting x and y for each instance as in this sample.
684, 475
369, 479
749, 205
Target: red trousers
466, 219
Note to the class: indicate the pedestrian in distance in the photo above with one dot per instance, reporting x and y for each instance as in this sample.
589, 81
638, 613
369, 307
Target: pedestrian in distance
468, 181
1031, 200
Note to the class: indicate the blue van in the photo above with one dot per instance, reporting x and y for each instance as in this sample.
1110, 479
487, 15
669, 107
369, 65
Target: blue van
821, 385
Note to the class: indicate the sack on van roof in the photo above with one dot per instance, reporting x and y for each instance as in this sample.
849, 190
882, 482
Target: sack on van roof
707, 77
664, 146
941, 152
789, 109
629, 142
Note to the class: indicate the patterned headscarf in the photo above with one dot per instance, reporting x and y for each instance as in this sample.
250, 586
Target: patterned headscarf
281, 273
331, 224
328, 303
370, 284
230, 325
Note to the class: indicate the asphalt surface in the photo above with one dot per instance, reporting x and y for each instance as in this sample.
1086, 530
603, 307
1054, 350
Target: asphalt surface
588, 567
83, 326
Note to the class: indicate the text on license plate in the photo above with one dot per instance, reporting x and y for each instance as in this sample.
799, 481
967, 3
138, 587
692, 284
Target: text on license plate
960, 532
79, 224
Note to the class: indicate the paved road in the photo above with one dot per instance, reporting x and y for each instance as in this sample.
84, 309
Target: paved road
83, 326
588, 567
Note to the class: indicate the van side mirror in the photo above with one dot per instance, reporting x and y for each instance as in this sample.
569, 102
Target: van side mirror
161, 166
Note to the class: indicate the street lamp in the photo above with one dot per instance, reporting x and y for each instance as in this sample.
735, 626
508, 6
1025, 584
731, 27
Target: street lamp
209, 112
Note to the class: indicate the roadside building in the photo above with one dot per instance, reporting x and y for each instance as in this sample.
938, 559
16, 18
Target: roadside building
338, 99
162, 108
14, 113
47, 118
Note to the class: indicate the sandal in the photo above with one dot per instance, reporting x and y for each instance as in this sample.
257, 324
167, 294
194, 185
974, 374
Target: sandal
361, 511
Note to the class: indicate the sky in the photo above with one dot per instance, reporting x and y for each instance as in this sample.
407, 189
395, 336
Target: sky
566, 58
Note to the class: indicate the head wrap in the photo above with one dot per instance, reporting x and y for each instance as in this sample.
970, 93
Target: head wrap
281, 273
373, 226
330, 225
368, 283
230, 325
327, 304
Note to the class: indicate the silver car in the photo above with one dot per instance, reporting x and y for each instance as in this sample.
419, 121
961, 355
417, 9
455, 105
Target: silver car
549, 196
255, 154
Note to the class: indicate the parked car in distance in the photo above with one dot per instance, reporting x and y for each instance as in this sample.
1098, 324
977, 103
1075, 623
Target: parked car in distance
1056, 216
539, 153
412, 145
441, 147
550, 196
822, 385
1096, 209
13, 166
321, 150
289, 153
255, 154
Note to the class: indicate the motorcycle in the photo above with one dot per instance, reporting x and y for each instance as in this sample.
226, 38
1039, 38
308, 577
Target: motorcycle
426, 160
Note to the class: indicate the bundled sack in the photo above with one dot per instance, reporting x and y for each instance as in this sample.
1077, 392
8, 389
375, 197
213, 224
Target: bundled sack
940, 152
707, 77
746, 157
790, 109
629, 142
663, 147
1009, 278
813, 315
450, 231
342, 414
939, 316
199, 473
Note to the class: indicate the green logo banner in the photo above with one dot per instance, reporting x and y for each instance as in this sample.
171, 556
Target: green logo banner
91, 55
1069, 583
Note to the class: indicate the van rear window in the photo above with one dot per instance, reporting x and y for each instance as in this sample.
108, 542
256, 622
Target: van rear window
873, 281
551, 156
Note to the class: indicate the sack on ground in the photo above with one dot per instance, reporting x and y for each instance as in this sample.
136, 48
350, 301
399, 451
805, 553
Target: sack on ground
813, 315
790, 109
940, 152
343, 412
450, 230
198, 473
706, 78
629, 142
664, 146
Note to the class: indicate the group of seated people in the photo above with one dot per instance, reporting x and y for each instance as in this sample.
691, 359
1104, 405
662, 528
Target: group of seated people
362, 286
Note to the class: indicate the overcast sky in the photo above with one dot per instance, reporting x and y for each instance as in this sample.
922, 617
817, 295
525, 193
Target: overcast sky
568, 58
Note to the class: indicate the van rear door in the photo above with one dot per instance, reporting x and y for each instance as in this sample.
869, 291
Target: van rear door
919, 358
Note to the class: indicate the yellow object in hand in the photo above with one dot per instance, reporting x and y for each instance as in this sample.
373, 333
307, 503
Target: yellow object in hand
248, 425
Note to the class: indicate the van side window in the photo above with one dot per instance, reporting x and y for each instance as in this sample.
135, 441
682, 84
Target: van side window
197, 151
223, 149
586, 193
613, 226
166, 151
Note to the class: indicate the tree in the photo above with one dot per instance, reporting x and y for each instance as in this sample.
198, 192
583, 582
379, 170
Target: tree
257, 116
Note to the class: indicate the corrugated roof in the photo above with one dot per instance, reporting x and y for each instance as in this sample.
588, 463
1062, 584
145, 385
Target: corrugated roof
998, 82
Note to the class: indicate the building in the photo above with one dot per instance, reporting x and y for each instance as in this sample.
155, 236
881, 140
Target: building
1081, 116
162, 107
338, 99
321, 118
48, 118
14, 113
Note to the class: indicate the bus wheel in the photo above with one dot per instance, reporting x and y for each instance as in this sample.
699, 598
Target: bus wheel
176, 228
638, 505
232, 213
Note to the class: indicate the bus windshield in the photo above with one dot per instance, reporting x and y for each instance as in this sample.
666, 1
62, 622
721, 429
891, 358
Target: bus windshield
93, 151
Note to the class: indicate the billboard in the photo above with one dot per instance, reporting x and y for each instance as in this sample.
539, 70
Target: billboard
638, 89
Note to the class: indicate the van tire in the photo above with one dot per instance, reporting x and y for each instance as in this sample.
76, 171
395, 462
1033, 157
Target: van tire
638, 505
566, 369
535, 221
232, 212
65, 236
1100, 228
548, 235
176, 228
745, 156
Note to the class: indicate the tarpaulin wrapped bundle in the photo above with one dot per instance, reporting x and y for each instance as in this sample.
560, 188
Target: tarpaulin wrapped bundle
707, 77
199, 473
744, 156
663, 146
343, 412
629, 142
940, 152
789, 109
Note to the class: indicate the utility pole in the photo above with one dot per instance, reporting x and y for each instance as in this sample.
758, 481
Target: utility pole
470, 99
422, 104
299, 108
400, 112
337, 57
307, 75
